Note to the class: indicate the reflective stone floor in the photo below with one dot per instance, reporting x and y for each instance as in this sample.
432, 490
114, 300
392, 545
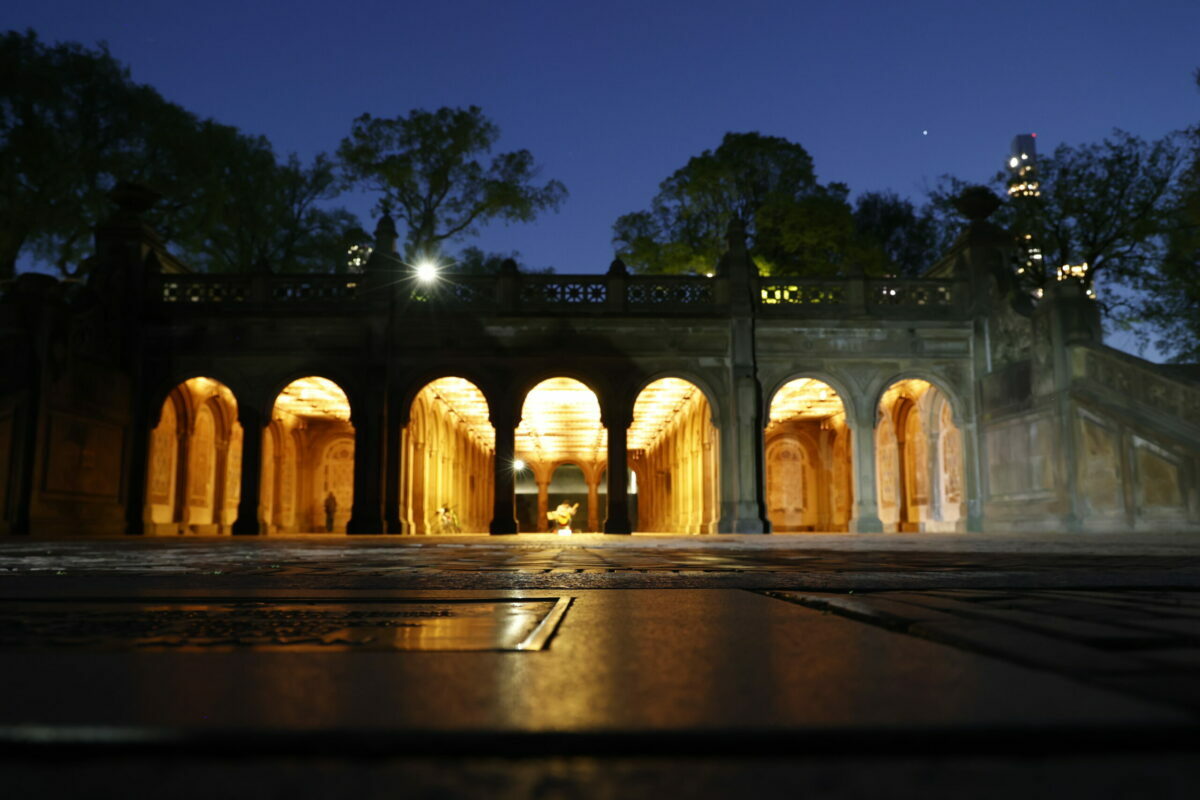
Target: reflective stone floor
844, 666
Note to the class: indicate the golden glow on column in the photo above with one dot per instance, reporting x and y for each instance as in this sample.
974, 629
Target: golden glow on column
673, 446
805, 399
561, 419
464, 401
313, 397
657, 404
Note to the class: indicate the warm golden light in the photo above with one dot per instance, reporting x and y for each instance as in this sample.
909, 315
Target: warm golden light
313, 397
805, 398
561, 419
462, 399
657, 404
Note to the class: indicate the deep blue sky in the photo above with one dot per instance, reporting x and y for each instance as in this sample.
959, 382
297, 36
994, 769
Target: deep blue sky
611, 97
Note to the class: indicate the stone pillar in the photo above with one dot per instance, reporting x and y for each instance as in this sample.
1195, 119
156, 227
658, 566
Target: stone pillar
543, 504
594, 504
617, 421
393, 446
504, 507
748, 511
220, 483
417, 500
366, 515
248, 522
865, 517
139, 453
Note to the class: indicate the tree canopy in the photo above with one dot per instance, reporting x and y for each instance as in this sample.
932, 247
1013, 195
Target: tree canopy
433, 172
73, 123
795, 225
1165, 305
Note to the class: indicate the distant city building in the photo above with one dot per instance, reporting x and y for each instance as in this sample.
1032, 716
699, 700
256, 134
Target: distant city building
1023, 183
1022, 166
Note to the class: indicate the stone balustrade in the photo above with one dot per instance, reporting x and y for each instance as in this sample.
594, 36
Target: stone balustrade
1111, 371
572, 294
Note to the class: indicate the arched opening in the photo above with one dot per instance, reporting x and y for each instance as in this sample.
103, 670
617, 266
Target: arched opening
308, 460
919, 460
449, 451
560, 424
808, 459
194, 467
673, 449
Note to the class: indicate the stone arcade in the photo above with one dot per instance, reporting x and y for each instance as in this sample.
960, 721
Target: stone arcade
150, 400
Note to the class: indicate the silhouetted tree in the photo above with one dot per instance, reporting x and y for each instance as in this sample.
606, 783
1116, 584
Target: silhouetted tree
897, 235
794, 225
1165, 308
73, 124
433, 172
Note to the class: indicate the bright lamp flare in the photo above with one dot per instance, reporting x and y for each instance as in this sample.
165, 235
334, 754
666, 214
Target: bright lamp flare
518, 465
427, 271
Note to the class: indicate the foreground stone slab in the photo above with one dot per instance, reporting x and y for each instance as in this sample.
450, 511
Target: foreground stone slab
649, 669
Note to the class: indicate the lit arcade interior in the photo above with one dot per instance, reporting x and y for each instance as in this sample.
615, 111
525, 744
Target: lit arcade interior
449, 448
307, 457
810, 477
919, 460
448, 458
673, 452
194, 473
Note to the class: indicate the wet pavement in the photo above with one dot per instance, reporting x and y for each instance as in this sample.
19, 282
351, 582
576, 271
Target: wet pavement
602, 666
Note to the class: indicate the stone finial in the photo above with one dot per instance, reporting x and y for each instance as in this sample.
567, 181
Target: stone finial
977, 203
735, 236
617, 267
735, 258
385, 235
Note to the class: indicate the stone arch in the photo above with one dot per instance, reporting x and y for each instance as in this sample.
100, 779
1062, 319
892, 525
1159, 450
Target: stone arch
937, 381
673, 447
919, 457
447, 474
193, 474
307, 414
696, 379
809, 464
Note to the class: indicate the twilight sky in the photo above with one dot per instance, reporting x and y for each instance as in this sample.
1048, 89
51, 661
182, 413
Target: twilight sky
611, 97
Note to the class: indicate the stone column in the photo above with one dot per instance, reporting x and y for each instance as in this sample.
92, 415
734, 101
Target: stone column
617, 421
248, 522
366, 515
504, 507
594, 504
416, 511
543, 504
865, 518
135, 499
393, 448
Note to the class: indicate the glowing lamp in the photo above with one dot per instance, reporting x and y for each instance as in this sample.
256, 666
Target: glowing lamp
518, 465
427, 271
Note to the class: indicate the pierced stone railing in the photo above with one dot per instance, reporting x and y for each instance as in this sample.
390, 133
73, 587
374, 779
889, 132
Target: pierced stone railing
791, 293
314, 288
567, 294
203, 289
666, 293
911, 293
275, 289
549, 292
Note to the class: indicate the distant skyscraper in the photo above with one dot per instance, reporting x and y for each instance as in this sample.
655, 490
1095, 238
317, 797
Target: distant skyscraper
1023, 184
1022, 166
